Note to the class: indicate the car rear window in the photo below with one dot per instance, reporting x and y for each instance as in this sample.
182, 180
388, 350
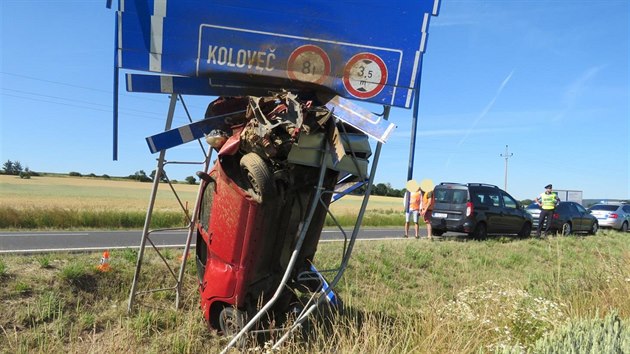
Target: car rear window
451, 196
605, 207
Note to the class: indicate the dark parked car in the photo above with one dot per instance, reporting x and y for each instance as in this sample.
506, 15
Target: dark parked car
613, 215
478, 209
569, 217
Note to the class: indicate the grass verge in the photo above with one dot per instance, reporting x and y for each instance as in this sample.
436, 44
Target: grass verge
401, 296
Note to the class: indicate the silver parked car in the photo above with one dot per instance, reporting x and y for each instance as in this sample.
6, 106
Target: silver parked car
612, 215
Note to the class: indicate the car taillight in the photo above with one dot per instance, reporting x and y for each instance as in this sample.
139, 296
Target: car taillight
469, 209
556, 216
613, 215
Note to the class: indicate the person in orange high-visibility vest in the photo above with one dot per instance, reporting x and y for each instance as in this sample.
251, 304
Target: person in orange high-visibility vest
412, 203
427, 209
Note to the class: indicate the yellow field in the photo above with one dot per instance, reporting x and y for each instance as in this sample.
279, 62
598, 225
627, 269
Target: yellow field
95, 194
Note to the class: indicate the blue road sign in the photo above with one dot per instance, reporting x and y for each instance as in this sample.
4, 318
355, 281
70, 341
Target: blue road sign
369, 50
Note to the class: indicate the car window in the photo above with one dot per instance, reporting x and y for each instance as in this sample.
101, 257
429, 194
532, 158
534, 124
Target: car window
494, 199
533, 206
580, 208
509, 202
482, 198
604, 207
572, 209
626, 208
451, 195
206, 205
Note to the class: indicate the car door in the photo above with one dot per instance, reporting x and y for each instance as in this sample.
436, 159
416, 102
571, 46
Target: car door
586, 218
492, 201
626, 213
511, 219
577, 217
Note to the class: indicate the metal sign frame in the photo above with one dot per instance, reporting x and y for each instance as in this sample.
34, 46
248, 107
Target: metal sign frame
239, 47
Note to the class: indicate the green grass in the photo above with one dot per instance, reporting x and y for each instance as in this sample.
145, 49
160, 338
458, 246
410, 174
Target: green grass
74, 219
64, 219
502, 295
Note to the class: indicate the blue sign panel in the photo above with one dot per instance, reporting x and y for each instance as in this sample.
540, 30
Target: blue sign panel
369, 50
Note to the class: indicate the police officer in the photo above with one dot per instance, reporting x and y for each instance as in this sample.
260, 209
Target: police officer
547, 202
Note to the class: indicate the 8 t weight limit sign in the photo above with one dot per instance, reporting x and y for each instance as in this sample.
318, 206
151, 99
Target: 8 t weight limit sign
308, 63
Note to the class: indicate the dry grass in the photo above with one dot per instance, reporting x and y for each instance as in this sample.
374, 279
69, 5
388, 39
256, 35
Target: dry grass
89, 193
400, 296
98, 193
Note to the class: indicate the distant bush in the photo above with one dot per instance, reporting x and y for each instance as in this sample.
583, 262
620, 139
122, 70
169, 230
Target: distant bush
92, 175
140, 176
75, 174
106, 176
25, 175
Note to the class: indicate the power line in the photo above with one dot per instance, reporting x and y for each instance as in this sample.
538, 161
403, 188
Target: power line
85, 107
126, 94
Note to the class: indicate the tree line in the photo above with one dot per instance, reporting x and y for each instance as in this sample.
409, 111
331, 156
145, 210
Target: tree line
16, 168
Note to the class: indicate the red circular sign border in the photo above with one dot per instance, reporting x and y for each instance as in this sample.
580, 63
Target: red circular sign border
346, 75
299, 50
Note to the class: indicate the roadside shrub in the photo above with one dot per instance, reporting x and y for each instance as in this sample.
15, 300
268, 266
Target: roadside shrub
608, 335
510, 315
74, 174
44, 261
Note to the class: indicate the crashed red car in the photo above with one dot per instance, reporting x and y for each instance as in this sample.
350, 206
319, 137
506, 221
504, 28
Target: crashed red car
256, 198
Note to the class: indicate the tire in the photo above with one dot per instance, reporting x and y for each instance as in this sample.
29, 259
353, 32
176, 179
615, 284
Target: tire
624, 227
231, 321
594, 228
566, 229
258, 177
526, 230
481, 232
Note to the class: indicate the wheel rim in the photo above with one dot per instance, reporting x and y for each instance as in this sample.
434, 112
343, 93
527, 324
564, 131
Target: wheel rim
231, 321
566, 229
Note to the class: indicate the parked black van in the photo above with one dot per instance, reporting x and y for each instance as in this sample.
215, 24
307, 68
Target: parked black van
478, 209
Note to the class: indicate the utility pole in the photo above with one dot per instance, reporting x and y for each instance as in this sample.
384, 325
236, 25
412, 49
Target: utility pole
506, 156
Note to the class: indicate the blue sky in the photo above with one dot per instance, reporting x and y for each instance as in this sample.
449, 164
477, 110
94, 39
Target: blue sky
550, 79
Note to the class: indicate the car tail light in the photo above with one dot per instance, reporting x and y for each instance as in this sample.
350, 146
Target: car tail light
469, 209
613, 215
556, 216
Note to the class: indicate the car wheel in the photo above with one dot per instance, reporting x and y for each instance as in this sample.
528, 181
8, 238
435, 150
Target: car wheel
437, 232
481, 232
526, 230
624, 227
566, 228
594, 228
258, 176
231, 321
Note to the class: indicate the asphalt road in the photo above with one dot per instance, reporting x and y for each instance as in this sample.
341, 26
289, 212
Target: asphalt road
63, 241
